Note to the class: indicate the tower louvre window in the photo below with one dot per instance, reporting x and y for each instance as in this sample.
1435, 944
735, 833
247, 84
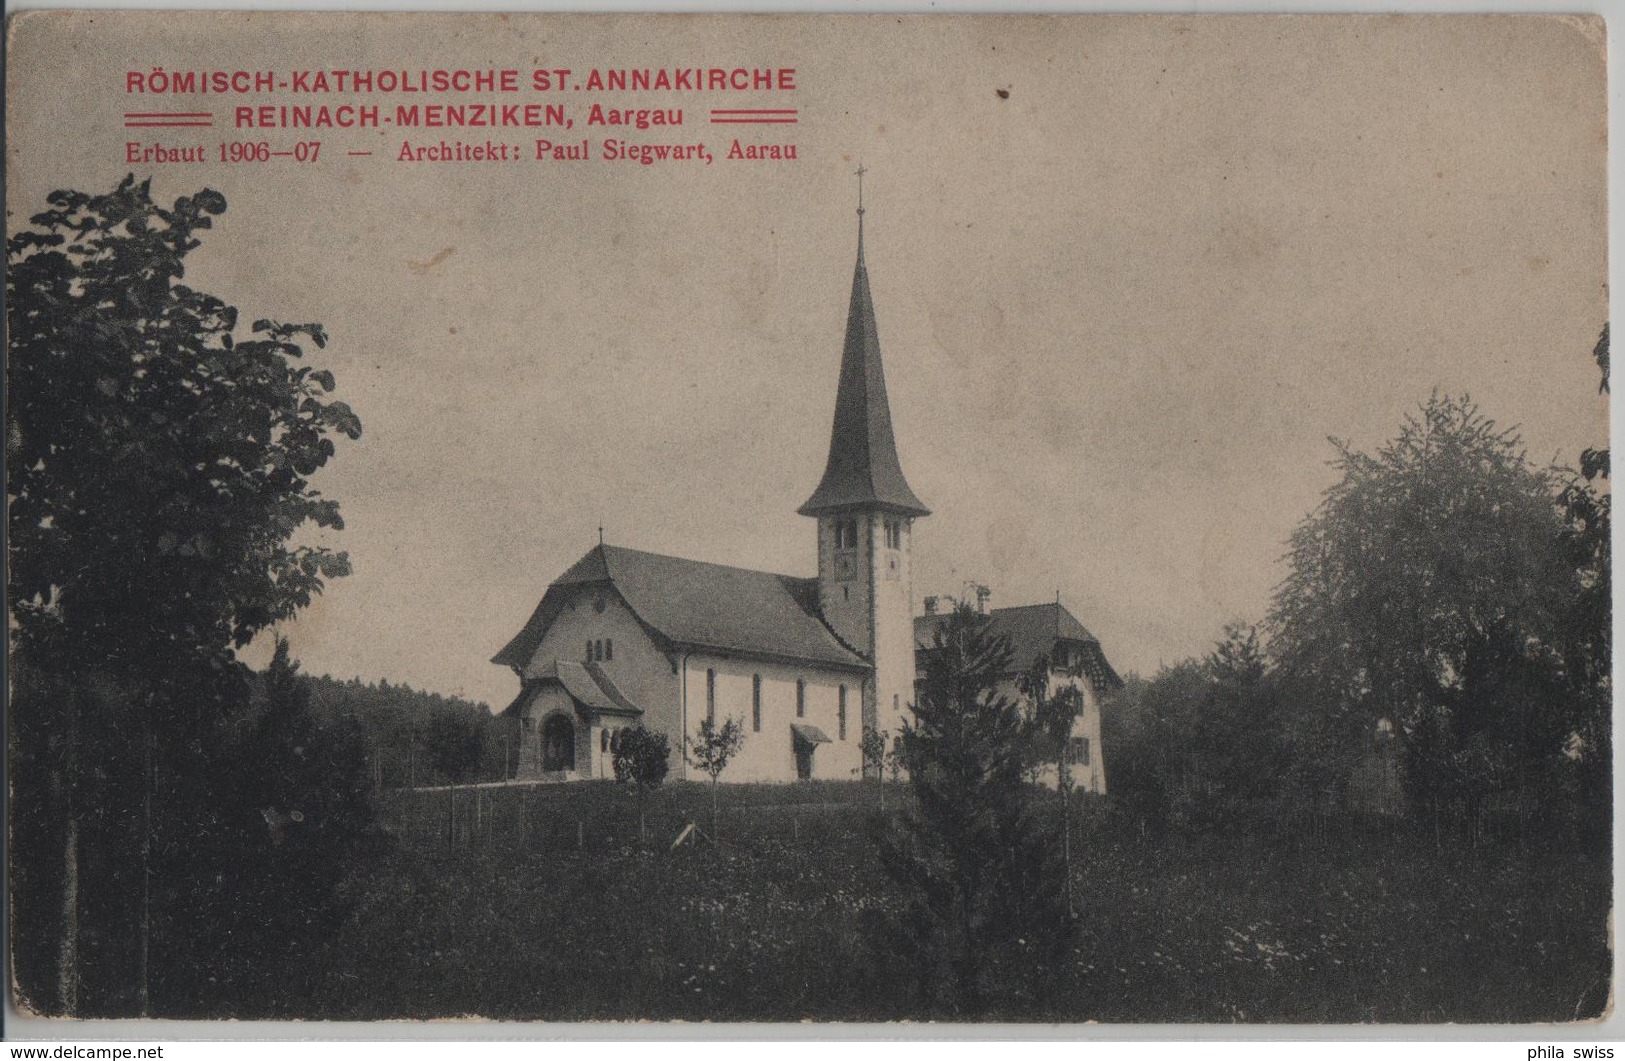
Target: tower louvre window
756, 703
894, 534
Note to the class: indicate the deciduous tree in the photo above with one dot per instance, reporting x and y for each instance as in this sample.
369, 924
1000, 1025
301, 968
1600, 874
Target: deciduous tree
1425, 594
710, 750
159, 456
642, 758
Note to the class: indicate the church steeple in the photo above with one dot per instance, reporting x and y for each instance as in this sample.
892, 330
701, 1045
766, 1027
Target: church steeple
863, 471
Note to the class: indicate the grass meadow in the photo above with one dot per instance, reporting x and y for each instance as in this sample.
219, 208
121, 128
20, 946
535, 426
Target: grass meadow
538, 902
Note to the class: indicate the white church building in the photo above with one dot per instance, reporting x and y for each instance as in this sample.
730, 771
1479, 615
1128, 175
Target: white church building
627, 637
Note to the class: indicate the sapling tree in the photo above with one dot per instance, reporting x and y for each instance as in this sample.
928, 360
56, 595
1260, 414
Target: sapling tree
1055, 710
873, 746
710, 750
642, 759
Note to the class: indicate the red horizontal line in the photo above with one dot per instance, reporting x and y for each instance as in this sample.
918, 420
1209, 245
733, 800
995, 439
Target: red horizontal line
753, 121
164, 125
782, 110
176, 114
358, 152
282, 154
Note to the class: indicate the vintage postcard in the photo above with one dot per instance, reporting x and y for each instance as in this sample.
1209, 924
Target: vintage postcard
841, 518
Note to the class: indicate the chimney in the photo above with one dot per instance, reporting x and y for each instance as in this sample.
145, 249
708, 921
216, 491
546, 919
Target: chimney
931, 605
982, 594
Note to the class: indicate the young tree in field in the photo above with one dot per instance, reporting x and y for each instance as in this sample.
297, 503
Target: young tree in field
1425, 591
158, 468
642, 758
1054, 714
873, 747
710, 750
983, 886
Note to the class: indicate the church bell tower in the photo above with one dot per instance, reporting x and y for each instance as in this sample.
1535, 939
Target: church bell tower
866, 513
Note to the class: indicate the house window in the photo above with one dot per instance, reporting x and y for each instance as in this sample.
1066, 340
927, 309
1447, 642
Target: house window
756, 703
609, 649
1080, 750
840, 715
603, 740
801, 698
711, 696
896, 703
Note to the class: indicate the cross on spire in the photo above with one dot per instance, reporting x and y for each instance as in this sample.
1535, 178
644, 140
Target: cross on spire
860, 172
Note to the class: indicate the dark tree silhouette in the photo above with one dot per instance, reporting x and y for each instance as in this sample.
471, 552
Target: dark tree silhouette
983, 882
158, 464
1585, 541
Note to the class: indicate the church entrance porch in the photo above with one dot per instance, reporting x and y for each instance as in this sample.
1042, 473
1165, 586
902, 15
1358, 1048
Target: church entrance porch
558, 744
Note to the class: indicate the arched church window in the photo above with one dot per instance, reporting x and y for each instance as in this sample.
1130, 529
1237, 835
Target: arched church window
756, 703
603, 740
840, 715
801, 698
711, 695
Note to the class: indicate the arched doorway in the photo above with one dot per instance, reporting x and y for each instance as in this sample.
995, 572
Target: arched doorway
558, 744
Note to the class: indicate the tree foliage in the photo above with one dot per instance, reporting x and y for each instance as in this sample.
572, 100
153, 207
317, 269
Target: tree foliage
158, 457
1587, 626
1426, 595
159, 463
1205, 745
986, 893
268, 885
642, 759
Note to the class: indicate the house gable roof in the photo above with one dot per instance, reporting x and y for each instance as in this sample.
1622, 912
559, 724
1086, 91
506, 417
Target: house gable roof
1033, 631
687, 604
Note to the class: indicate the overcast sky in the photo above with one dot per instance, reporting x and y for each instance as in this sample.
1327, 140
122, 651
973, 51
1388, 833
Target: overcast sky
1129, 273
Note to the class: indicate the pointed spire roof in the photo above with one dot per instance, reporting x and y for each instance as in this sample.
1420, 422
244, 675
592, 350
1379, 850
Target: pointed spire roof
863, 470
